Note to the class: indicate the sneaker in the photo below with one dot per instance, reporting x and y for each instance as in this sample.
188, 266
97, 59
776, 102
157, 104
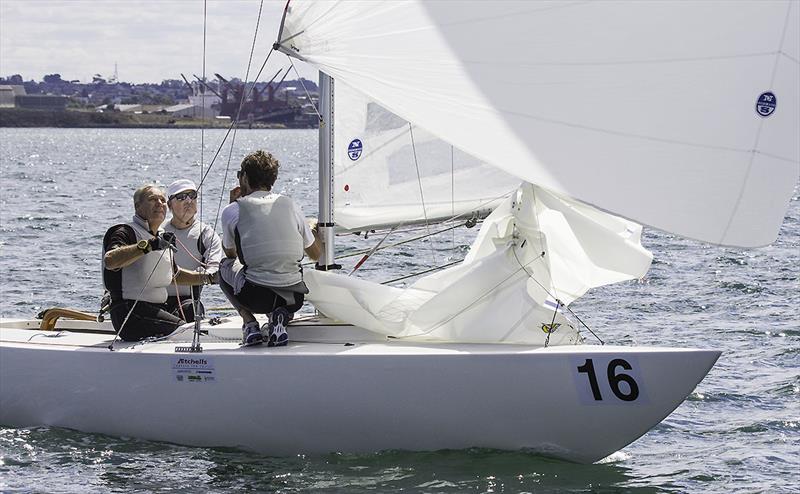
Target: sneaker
276, 328
251, 334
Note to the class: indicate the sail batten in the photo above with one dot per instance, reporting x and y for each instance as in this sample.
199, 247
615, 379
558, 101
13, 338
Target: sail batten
648, 110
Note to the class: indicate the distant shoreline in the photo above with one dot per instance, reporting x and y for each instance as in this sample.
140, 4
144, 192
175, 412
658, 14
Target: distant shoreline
22, 118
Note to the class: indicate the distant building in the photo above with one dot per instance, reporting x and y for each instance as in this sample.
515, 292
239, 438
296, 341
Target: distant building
128, 108
182, 110
189, 110
207, 100
41, 102
8, 93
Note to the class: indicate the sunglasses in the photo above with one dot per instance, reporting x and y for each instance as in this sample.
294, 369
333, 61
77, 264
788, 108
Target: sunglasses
239, 174
182, 196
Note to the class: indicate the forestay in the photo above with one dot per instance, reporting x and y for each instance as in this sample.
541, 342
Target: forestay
644, 109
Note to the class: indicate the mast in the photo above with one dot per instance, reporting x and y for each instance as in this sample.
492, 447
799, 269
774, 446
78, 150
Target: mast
326, 261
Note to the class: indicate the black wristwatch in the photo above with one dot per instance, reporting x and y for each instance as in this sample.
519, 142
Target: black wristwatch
144, 246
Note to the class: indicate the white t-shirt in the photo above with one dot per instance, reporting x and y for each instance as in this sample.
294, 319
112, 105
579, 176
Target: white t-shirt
230, 218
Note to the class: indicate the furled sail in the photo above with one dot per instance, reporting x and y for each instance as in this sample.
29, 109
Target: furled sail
388, 171
534, 251
679, 115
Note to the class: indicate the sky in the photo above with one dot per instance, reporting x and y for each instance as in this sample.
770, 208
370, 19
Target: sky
149, 40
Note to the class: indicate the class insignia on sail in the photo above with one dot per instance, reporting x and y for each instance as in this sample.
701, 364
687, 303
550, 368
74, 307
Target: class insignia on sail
765, 106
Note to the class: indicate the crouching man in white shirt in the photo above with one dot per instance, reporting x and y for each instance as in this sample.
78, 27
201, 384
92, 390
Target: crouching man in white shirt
264, 238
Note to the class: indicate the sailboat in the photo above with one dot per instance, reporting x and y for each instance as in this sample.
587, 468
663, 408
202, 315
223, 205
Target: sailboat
564, 127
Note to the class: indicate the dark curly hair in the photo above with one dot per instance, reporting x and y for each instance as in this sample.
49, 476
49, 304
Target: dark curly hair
261, 169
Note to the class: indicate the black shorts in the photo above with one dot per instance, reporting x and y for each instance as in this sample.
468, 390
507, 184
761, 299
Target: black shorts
146, 320
184, 310
259, 299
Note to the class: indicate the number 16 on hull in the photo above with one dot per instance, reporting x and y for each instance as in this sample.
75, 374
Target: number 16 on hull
609, 380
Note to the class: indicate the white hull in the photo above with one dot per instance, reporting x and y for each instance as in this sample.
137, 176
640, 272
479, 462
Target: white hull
319, 395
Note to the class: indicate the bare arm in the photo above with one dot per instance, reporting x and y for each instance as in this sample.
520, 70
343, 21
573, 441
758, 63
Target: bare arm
184, 277
214, 252
122, 256
314, 251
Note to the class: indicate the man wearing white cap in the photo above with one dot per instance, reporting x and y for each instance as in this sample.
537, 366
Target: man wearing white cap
138, 267
199, 248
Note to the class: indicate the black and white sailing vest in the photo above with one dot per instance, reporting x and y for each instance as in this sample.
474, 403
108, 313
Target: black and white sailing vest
135, 284
268, 241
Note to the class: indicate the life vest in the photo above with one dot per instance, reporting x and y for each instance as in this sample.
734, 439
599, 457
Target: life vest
268, 241
146, 279
191, 249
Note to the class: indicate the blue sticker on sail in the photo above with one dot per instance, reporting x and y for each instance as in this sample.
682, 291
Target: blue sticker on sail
354, 149
765, 106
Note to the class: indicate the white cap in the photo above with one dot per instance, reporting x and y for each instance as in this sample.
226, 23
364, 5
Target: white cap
180, 186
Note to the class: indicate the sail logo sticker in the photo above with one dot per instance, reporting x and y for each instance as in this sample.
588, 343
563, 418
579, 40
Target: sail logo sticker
354, 149
765, 106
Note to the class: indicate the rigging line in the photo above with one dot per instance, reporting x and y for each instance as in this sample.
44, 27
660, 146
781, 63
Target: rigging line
302, 83
178, 297
419, 182
409, 240
227, 167
453, 191
227, 133
746, 178
558, 302
552, 322
364, 251
472, 214
234, 122
468, 306
245, 97
412, 228
136, 301
372, 251
435, 268
203, 102
541, 242
189, 253
584, 324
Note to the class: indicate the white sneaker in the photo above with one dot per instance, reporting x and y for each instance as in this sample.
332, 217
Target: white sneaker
276, 329
251, 334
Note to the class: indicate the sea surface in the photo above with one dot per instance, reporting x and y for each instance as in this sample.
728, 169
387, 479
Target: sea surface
60, 189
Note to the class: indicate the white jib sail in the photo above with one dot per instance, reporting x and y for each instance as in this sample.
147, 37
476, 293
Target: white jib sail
388, 171
535, 250
679, 115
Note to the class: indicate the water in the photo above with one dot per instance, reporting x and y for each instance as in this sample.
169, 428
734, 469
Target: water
738, 432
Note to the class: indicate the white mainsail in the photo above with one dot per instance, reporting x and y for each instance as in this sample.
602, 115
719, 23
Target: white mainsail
644, 109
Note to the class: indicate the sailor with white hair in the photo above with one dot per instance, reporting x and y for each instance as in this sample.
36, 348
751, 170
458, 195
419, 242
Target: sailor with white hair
199, 248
